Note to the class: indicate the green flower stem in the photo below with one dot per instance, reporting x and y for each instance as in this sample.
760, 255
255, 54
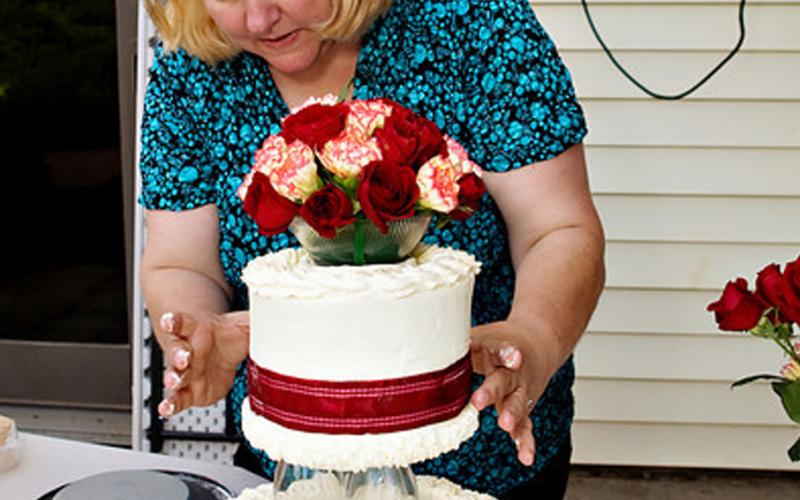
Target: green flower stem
784, 344
358, 243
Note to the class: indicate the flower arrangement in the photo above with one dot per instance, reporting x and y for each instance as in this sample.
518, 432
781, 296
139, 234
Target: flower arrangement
770, 312
335, 164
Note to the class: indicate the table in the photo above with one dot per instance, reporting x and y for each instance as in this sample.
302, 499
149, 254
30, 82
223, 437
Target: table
49, 462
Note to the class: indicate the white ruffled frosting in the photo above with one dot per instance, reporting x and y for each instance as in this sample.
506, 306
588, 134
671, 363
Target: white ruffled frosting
329, 488
357, 452
292, 274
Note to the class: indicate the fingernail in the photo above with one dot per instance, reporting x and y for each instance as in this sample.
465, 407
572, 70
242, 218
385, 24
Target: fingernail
516, 443
168, 322
509, 356
480, 400
171, 380
527, 458
507, 421
166, 408
181, 358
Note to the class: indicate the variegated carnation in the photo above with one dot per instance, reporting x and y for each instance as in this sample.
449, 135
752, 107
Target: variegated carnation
366, 116
290, 168
438, 184
460, 159
347, 155
326, 100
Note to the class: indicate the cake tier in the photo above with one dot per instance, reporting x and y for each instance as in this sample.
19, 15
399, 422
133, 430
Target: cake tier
369, 325
345, 452
349, 323
329, 488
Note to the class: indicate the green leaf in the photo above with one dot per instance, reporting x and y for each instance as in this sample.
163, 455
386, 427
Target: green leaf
753, 378
789, 393
794, 451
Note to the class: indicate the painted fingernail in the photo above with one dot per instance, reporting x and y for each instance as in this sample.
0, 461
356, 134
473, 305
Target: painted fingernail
166, 408
171, 380
180, 358
509, 356
168, 322
516, 443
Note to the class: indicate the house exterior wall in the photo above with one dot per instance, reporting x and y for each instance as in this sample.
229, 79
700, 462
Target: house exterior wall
692, 193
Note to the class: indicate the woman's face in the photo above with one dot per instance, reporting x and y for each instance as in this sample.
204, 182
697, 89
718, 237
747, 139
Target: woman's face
280, 31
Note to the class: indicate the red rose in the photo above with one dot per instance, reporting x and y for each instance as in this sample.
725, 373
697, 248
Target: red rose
470, 191
790, 287
737, 309
387, 191
271, 211
327, 210
769, 288
315, 124
409, 139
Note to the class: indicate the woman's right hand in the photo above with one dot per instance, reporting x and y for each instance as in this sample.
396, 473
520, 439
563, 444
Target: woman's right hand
202, 352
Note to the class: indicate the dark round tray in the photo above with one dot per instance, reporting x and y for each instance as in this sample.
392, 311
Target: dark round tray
200, 487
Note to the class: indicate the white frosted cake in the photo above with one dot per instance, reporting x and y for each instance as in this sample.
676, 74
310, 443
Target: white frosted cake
353, 367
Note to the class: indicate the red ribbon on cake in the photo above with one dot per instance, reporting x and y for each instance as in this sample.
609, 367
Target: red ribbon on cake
360, 407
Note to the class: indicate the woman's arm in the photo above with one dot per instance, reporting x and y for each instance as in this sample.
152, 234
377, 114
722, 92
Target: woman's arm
557, 249
184, 287
181, 254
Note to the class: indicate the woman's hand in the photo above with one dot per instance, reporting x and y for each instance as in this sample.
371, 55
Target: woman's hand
517, 370
201, 352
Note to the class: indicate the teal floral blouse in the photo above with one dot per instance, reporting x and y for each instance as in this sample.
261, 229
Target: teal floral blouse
489, 76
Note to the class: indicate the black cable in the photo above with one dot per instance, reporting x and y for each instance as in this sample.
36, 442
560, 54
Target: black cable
655, 94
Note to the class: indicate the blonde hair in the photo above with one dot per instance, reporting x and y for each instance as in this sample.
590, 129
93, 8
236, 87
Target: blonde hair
186, 24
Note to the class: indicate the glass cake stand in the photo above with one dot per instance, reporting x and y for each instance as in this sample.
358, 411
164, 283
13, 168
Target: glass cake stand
371, 483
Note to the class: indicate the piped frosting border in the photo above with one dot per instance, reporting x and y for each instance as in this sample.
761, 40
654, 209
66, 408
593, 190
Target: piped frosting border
291, 273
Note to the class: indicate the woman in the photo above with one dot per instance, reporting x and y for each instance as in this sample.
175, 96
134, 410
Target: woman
489, 76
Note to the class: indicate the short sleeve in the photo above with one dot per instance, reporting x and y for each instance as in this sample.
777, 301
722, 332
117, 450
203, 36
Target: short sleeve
174, 164
519, 95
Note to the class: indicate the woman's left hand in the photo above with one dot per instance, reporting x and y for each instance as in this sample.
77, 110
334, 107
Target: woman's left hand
517, 371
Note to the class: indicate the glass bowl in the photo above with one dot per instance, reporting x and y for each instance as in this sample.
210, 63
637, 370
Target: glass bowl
378, 248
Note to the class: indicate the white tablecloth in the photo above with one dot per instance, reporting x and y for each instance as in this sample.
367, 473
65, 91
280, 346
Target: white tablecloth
50, 462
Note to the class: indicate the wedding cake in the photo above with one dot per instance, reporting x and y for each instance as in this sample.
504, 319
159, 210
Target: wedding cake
358, 367
353, 367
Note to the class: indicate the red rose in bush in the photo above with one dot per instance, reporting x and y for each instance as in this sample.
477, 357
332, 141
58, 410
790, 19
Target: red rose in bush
315, 124
470, 191
409, 139
327, 210
387, 191
738, 309
271, 211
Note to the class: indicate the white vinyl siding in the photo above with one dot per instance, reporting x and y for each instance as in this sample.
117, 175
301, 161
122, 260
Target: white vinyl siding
692, 193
